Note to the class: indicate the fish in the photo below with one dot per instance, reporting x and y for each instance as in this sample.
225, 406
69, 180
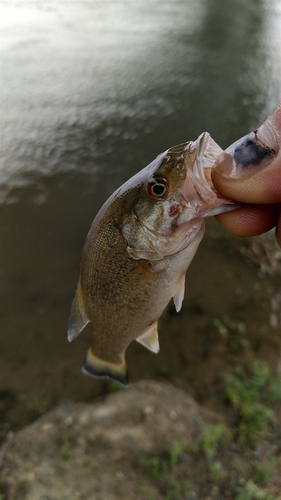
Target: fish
137, 251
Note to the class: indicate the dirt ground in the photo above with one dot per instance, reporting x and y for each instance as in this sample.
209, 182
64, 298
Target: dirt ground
152, 441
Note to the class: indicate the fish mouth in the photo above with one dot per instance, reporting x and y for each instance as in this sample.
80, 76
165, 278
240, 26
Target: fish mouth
198, 190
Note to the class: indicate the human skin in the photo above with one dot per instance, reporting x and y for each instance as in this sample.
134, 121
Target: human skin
249, 172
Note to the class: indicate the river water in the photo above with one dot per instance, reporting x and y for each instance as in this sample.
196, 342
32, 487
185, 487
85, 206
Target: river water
92, 91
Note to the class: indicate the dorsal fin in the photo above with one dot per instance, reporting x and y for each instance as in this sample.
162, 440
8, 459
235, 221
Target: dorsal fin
149, 338
78, 319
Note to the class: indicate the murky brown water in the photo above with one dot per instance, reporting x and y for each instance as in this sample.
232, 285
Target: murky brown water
90, 94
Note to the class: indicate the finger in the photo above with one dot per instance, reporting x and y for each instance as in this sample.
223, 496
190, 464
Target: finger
250, 220
249, 171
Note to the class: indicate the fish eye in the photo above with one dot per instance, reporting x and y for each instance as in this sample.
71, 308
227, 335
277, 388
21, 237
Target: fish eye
157, 187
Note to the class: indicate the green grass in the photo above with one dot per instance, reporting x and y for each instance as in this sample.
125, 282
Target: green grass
67, 441
211, 437
250, 491
235, 332
250, 392
262, 472
163, 473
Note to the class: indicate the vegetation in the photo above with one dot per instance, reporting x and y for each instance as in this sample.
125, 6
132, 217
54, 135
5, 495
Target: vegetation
211, 437
163, 472
67, 440
235, 333
249, 392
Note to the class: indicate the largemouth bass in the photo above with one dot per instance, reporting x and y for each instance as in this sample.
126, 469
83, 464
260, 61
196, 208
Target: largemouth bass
138, 250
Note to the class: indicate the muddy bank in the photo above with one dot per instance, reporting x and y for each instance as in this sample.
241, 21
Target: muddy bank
150, 441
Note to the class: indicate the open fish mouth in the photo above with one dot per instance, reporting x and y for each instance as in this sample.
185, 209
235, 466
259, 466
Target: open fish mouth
198, 189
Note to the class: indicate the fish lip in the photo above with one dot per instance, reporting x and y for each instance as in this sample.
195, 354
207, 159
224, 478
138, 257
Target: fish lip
199, 170
198, 189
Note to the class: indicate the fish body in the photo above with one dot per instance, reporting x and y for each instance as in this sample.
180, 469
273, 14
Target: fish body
138, 250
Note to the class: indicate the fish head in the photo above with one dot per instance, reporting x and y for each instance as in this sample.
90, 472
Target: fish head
165, 212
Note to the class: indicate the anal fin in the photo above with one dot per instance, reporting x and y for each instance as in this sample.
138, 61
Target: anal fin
179, 292
96, 367
78, 319
149, 338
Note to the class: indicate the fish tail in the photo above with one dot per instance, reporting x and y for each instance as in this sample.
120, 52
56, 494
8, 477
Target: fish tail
97, 367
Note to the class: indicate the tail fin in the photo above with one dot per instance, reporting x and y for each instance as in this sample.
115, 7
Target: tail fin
96, 367
78, 318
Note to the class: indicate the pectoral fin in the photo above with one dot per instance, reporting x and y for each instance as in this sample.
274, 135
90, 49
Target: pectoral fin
179, 293
78, 319
96, 367
149, 338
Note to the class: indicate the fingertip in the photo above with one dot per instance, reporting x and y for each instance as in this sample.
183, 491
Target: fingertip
249, 170
261, 187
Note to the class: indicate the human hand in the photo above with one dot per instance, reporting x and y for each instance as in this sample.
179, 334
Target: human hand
249, 172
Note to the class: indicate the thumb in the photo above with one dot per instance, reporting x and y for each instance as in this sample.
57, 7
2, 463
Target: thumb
249, 171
